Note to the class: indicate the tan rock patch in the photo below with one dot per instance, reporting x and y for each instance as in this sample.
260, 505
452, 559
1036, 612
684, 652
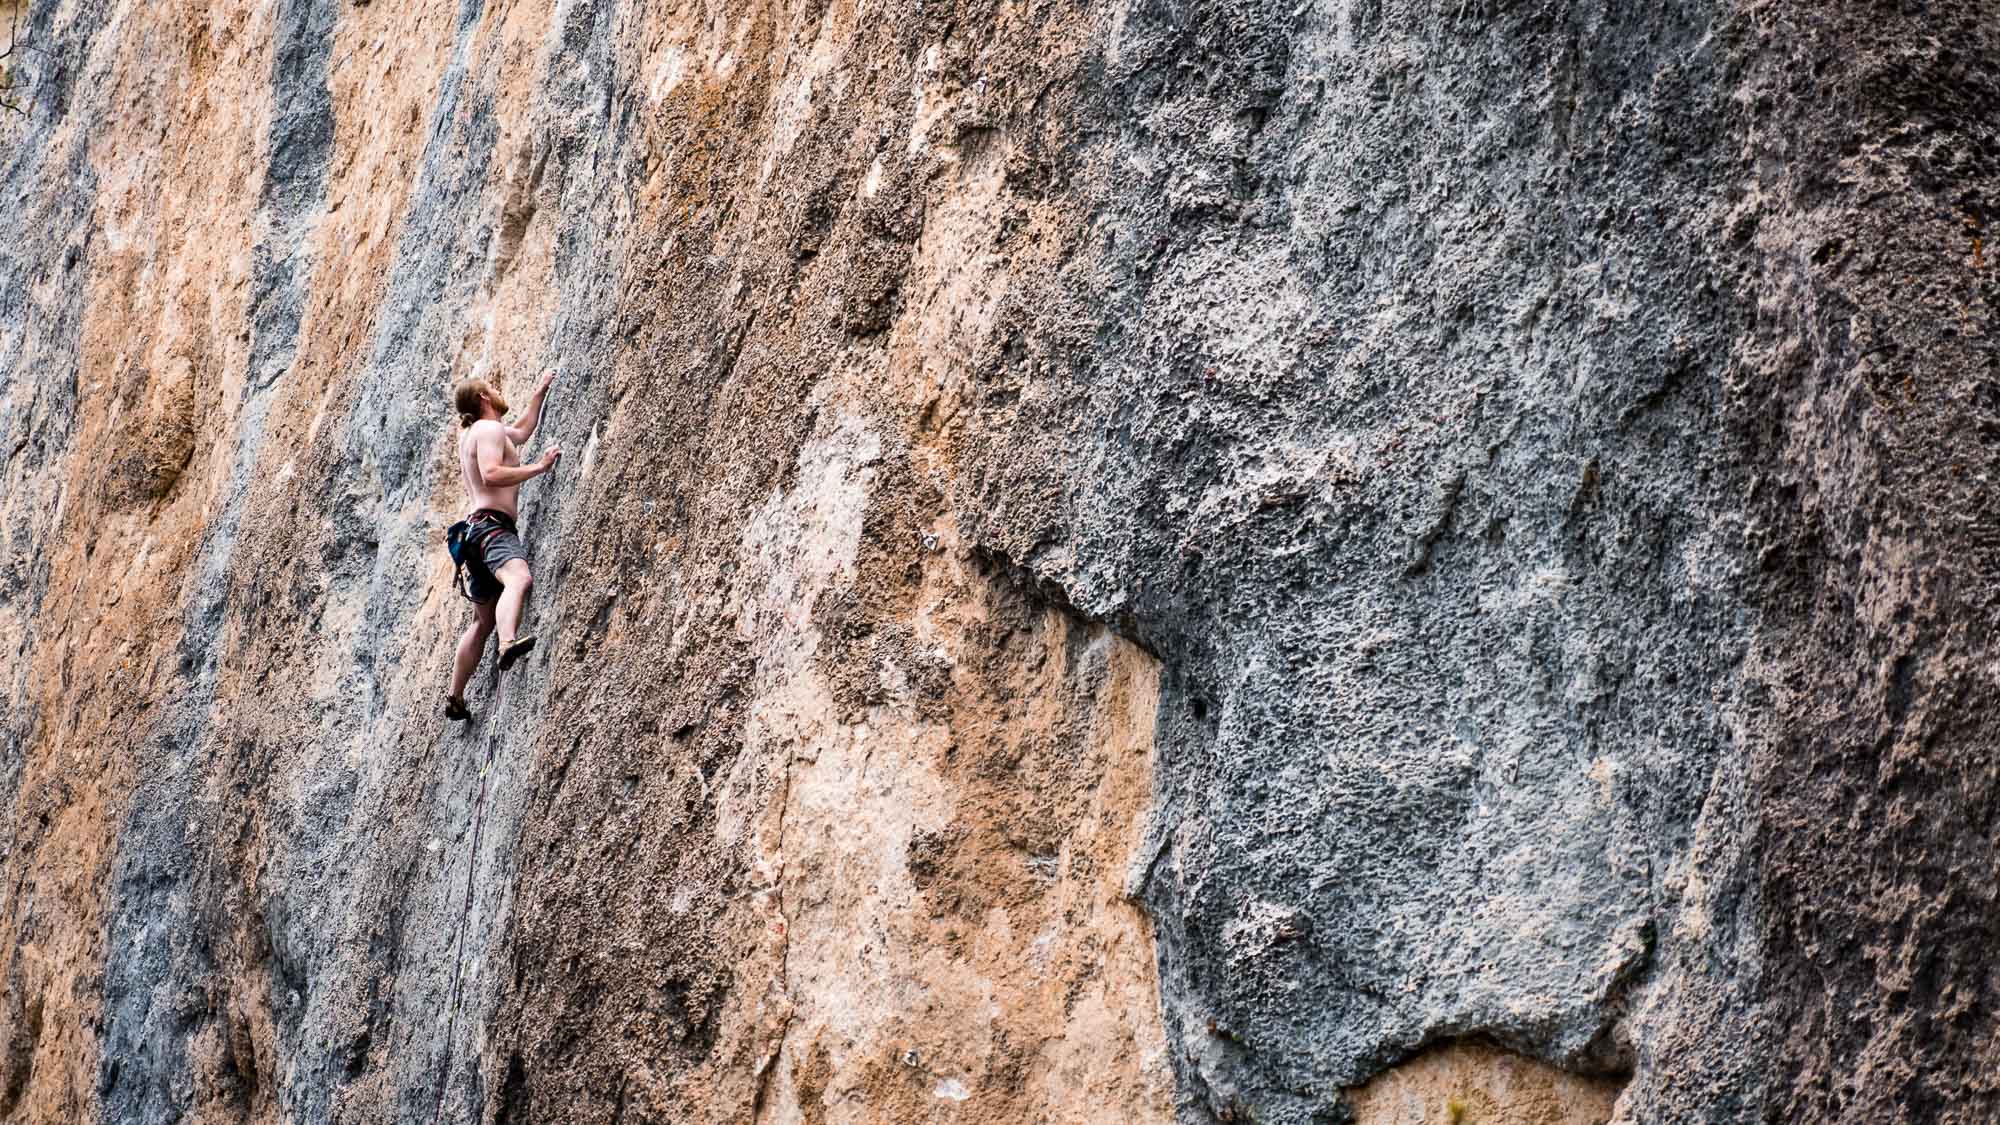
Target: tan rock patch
1475, 1084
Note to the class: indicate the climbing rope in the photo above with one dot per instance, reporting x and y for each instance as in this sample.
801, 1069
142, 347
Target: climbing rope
465, 912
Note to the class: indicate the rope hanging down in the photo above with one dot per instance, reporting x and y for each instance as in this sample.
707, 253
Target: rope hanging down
465, 912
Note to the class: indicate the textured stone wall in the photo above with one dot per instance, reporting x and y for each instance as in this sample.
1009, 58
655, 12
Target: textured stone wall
1129, 561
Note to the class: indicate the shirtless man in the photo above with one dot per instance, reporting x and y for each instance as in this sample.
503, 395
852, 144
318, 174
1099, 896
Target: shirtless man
498, 560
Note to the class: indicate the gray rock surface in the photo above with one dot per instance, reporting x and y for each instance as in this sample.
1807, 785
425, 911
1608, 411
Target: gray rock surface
1402, 444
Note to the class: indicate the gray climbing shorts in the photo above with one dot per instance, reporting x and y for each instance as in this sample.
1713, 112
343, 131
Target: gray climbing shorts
499, 544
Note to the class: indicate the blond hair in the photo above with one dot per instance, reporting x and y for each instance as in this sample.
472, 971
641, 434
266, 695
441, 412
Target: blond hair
467, 396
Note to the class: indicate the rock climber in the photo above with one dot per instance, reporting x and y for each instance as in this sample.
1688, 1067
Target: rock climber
487, 543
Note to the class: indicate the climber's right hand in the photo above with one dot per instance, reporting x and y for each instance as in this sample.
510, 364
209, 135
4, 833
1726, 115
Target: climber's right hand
549, 458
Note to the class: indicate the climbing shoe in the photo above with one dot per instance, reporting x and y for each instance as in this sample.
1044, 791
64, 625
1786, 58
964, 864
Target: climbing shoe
455, 709
514, 650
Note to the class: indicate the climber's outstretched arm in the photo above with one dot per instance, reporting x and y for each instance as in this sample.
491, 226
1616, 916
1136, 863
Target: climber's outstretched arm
521, 431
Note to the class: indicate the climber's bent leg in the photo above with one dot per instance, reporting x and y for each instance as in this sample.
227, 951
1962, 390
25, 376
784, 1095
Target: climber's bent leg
515, 578
515, 581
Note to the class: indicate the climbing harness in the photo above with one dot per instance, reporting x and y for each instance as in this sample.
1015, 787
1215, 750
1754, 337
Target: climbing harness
466, 540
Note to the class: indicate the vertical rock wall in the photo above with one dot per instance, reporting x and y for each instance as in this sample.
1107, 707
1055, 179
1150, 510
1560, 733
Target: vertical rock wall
1867, 392
1400, 444
1123, 562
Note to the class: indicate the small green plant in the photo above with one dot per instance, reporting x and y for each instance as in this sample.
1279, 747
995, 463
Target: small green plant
1454, 1111
11, 87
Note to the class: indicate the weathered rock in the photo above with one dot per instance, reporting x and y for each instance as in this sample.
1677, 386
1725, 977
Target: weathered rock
1113, 562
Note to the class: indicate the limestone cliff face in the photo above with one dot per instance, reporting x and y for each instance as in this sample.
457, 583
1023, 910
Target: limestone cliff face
1113, 562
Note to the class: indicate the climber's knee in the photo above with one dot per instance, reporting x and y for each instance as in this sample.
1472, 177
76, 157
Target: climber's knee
514, 575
